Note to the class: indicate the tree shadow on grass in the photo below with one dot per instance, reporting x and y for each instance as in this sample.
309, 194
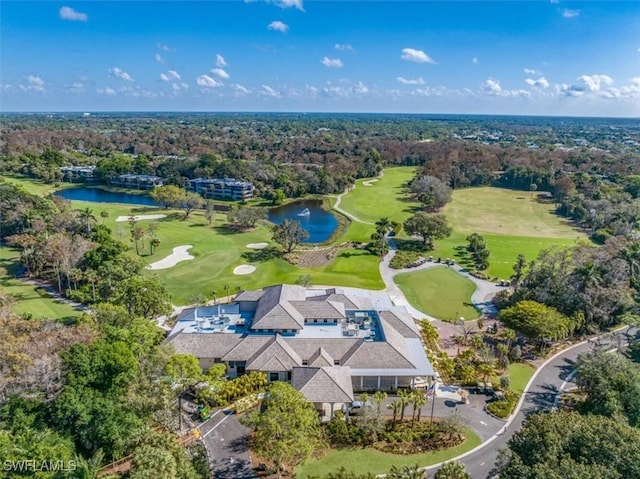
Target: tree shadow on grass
410, 245
265, 254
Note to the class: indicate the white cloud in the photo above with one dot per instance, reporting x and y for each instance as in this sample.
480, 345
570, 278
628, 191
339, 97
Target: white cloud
180, 86
343, 46
34, 83
219, 72
207, 81
331, 62
531, 71
278, 26
240, 90
408, 81
76, 87
220, 61
493, 87
119, 73
159, 58
539, 83
170, 75
568, 13
288, 4
68, 13
413, 55
106, 91
628, 91
475, 60
137, 92
268, 91
164, 48
594, 82
361, 88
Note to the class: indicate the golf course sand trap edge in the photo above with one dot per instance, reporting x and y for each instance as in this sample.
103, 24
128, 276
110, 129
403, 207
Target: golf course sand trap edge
179, 254
122, 219
244, 269
257, 245
369, 182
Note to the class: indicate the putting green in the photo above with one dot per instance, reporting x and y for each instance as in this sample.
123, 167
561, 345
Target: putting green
440, 292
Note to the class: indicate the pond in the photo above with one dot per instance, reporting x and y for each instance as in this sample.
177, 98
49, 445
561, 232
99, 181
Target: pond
320, 223
97, 195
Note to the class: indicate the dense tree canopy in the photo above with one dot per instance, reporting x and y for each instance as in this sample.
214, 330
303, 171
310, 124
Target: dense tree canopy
289, 234
429, 227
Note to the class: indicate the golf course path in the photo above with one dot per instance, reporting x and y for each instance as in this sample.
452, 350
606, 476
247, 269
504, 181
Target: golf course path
339, 199
481, 298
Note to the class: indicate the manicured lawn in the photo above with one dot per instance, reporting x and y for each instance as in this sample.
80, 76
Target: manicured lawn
361, 461
29, 299
439, 292
218, 251
385, 197
504, 250
37, 187
519, 375
506, 212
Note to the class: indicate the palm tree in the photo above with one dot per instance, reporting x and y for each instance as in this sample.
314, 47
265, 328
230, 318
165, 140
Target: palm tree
154, 243
213, 295
227, 289
104, 214
452, 470
418, 399
86, 215
395, 407
378, 399
406, 472
92, 277
383, 225
404, 397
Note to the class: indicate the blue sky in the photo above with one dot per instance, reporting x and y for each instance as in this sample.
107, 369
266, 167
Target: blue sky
519, 57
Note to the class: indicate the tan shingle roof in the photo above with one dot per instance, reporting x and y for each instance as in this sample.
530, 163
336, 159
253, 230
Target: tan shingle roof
204, 345
274, 310
323, 384
254, 295
321, 358
246, 347
319, 309
401, 324
278, 349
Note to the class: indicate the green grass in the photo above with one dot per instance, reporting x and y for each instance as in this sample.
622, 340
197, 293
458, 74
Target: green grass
36, 187
218, 251
519, 375
29, 299
384, 197
506, 212
440, 292
362, 461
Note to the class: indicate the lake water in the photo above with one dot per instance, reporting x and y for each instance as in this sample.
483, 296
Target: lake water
320, 223
97, 195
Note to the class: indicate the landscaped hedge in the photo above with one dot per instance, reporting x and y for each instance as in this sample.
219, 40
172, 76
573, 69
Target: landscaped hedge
503, 409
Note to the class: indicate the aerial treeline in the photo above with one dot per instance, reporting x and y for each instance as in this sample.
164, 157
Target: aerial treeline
79, 257
318, 153
573, 290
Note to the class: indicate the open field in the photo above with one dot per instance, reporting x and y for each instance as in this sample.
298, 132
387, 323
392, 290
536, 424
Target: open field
383, 198
36, 187
506, 212
29, 298
439, 292
362, 461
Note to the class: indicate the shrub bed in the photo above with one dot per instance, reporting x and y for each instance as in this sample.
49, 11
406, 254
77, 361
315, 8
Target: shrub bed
503, 409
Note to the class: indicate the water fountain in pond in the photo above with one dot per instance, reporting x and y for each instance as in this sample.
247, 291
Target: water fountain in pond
305, 212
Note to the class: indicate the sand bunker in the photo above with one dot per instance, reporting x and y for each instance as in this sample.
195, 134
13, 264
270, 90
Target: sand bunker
244, 269
179, 254
369, 182
257, 245
140, 217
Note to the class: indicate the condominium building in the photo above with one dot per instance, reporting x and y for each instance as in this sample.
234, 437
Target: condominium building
222, 188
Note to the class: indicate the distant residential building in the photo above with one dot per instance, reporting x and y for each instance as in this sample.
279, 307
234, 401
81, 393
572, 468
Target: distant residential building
75, 174
326, 342
222, 188
140, 182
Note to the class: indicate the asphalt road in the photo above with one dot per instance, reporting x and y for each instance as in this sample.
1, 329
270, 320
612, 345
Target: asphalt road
550, 380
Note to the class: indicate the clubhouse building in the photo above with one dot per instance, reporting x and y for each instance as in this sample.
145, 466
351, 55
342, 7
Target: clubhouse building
327, 343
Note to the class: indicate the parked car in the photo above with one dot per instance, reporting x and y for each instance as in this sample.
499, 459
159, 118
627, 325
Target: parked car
358, 408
